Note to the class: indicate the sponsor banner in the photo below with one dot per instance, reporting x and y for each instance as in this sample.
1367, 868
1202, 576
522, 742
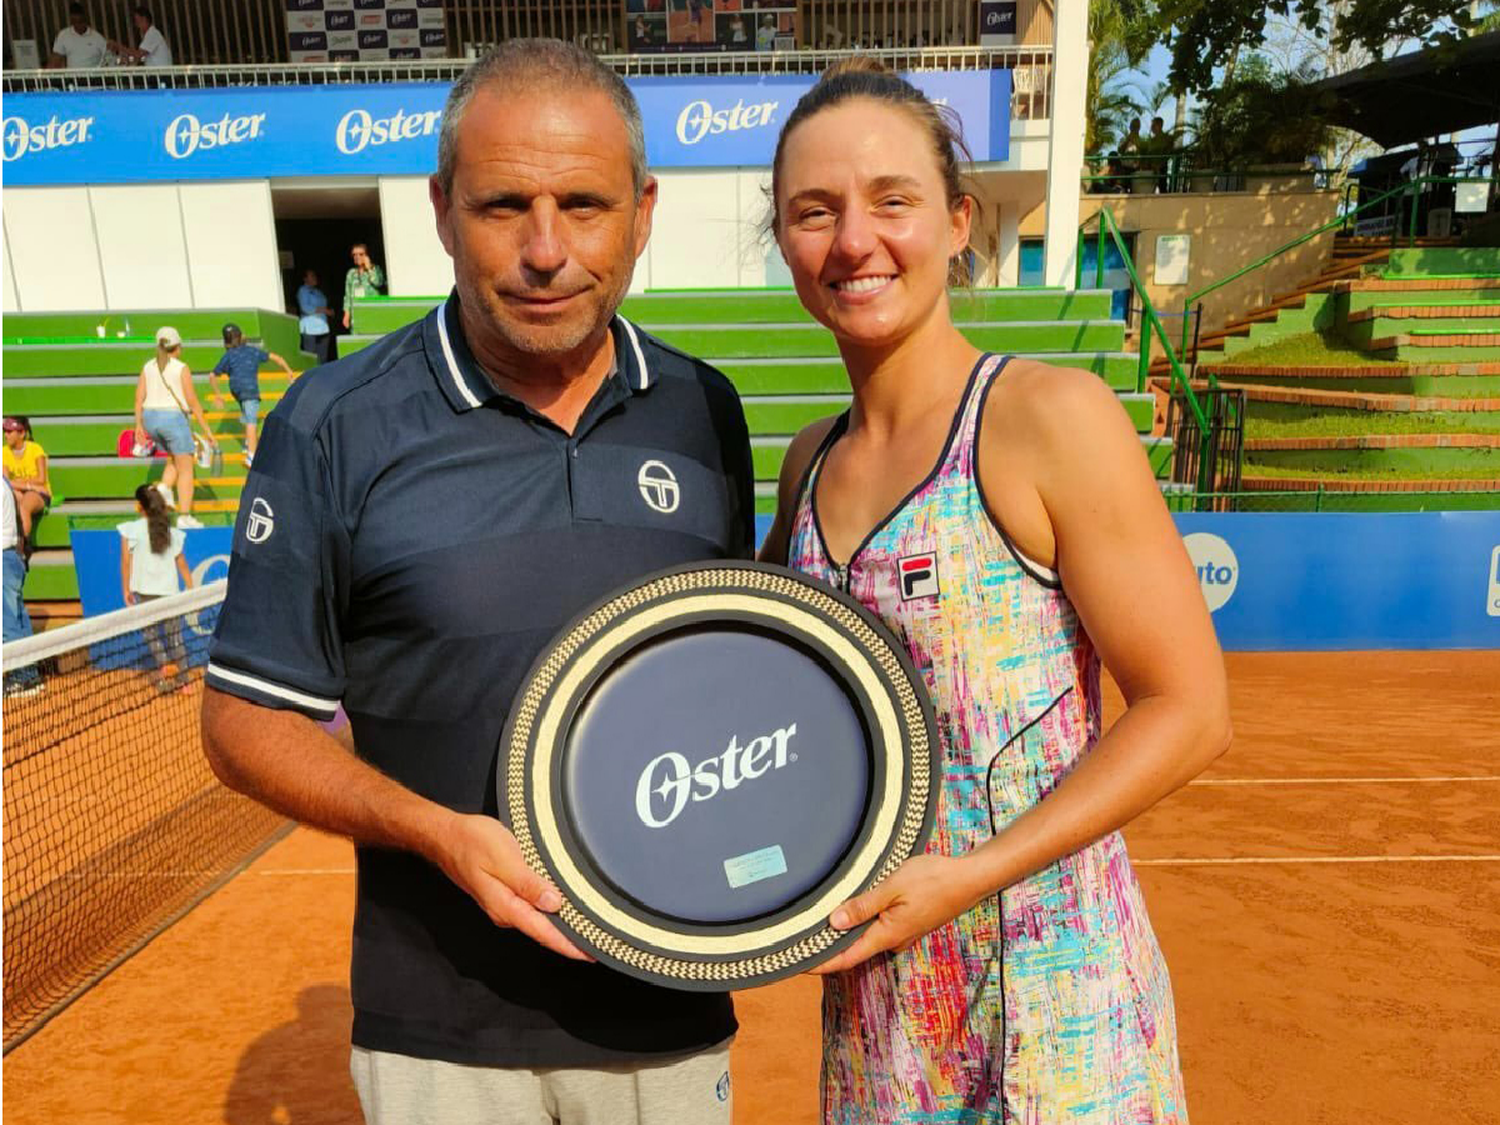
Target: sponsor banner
1305, 582
96, 556
386, 29
1320, 582
147, 135
997, 22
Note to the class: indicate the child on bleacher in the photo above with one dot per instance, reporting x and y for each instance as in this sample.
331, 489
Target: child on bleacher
241, 362
151, 561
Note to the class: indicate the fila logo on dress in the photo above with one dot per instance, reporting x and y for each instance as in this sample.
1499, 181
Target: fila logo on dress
917, 575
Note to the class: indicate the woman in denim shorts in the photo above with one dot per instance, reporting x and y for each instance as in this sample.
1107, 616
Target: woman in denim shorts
164, 396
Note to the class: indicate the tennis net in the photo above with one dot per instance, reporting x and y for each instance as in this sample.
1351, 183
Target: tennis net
114, 824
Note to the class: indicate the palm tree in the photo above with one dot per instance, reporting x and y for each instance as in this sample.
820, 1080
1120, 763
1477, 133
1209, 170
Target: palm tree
1110, 103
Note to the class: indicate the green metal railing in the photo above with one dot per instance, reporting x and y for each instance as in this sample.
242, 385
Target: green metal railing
1151, 326
1411, 187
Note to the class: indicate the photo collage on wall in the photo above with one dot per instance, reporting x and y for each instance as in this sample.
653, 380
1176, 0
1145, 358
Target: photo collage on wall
711, 25
332, 31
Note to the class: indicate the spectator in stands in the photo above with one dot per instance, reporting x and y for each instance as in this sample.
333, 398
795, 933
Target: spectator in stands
153, 49
26, 469
1159, 144
364, 279
241, 363
412, 537
151, 561
765, 34
164, 401
313, 311
1132, 140
14, 531
78, 45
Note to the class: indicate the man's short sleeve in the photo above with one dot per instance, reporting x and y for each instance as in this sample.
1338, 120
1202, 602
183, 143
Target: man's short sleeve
59, 45
262, 356
279, 640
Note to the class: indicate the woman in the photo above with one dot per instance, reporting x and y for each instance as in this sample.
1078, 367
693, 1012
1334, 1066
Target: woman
1009, 974
164, 396
151, 561
26, 469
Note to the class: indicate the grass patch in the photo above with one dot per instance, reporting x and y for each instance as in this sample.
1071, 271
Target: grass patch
1276, 472
1310, 349
1358, 425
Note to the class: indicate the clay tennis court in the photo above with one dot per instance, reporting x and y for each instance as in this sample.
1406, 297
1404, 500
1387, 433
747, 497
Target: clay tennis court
1328, 897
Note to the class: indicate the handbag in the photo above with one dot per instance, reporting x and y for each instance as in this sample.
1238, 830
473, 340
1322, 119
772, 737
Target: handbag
205, 452
127, 446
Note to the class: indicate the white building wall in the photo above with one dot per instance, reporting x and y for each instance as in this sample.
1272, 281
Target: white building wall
706, 231
416, 265
141, 248
230, 232
12, 302
53, 252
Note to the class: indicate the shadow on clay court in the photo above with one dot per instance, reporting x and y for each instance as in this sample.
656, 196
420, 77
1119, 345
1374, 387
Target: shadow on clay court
297, 1074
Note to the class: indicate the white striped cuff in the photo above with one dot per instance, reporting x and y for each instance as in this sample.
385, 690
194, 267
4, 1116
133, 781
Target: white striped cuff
316, 705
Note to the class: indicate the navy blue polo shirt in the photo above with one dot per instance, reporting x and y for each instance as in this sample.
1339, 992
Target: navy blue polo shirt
408, 541
242, 364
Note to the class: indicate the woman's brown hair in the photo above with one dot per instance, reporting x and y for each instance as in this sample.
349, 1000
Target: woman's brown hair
863, 77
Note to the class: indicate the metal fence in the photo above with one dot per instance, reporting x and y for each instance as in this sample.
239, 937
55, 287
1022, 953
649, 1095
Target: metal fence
1030, 67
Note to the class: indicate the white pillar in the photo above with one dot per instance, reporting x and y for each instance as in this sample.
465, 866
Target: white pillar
1065, 143
1008, 261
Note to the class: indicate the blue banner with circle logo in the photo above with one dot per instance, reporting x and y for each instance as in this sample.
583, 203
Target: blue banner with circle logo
96, 557
1333, 581
133, 136
1308, 582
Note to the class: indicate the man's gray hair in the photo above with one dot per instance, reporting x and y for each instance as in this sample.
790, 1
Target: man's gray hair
521, 64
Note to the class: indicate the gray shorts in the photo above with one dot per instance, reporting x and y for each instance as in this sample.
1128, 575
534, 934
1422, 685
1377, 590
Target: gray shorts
400, 1090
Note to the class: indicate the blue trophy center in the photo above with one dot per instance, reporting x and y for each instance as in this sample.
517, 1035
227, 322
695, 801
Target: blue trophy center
715, 775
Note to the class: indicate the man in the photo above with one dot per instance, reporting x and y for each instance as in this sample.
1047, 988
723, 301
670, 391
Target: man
423, 517
153, 49
241, 363
312, 323
364, 279
78, 45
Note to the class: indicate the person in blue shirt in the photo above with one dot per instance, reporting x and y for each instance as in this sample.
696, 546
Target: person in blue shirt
241, 362
314, 310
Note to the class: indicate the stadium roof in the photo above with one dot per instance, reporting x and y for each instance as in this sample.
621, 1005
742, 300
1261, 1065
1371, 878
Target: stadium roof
1437, 90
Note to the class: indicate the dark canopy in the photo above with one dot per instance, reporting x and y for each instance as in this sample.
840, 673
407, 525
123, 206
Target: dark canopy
1438, 90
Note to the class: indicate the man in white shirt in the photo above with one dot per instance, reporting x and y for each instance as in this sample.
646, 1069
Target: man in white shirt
78, 45
153, 50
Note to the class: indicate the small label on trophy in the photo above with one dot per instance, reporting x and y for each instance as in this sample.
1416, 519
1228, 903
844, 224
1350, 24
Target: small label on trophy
754, 866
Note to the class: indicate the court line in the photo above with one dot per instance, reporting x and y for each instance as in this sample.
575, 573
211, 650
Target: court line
1275, 859
1340, 780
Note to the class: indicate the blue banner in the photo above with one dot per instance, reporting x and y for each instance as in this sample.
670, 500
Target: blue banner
1304, 582
96, 558
1310, 583
133, 136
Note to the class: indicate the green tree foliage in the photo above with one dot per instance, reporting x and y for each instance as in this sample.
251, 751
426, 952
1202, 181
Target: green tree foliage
1207, 36
1259, 116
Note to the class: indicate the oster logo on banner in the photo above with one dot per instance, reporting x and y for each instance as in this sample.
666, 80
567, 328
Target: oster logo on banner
690, 122
368, 40
434, 37
339, 21
359, 130
308, 41
304, 5
186, 134
397, 18
18, 136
